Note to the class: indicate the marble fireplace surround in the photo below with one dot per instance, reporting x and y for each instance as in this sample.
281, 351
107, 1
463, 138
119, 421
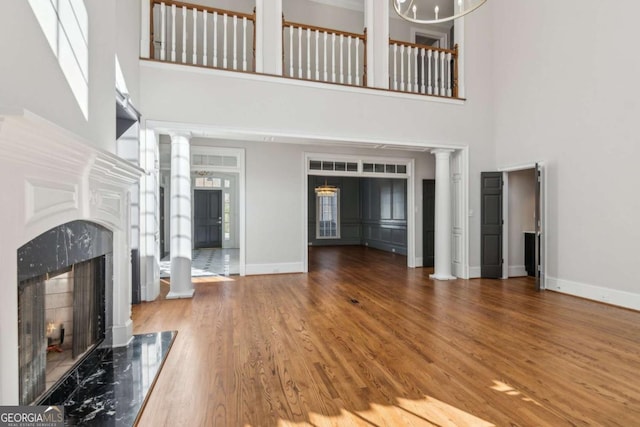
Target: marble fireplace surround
64, 247
53, 177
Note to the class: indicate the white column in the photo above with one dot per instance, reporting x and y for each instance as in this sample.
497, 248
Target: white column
442, 262
181, 285
377, 24
145, 28
458, 38
149, 216
269, 36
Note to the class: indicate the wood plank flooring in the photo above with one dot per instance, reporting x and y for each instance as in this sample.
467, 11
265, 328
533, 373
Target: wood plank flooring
364, 341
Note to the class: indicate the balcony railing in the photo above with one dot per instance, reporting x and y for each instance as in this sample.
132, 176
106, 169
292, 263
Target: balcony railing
205, 36
423, 69
323, 54
201, 35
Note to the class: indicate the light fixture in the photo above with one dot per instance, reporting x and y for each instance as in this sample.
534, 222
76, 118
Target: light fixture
429, 12
326, 190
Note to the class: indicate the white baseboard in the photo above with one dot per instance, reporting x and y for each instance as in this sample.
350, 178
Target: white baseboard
596, 293
517, 271
122, 334
419, 261
474, 272
281, 268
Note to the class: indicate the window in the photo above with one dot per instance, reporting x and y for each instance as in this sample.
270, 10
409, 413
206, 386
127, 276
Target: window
328, 216
66, 26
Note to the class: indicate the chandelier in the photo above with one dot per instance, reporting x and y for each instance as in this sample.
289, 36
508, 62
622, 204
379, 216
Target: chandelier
326, 190
429, 12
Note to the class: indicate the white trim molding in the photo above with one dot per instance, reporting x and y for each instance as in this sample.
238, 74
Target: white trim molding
595, 293
275, 268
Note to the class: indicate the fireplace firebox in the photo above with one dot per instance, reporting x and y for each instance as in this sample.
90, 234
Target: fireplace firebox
64, 301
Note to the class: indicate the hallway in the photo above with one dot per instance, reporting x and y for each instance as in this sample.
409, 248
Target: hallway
208, 262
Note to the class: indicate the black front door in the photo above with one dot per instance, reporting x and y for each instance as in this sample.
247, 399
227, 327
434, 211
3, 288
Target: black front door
491, 225
207, 219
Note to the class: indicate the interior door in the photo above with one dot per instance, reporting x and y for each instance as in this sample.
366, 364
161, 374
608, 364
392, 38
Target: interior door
539, 229
491, 225
163, 252
207, 219
428, 221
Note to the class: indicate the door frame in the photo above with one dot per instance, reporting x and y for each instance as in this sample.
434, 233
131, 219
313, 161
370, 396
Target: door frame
411, 188
239, 154
543, 216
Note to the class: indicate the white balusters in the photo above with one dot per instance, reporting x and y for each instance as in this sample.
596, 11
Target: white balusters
173, 33
290, 51
308, 53
402, 68
357, 62
422, 87
215, 39
442, 75
317, 55
436, 80
163, 29
349, 59
299, 52
395, 66
449, 56
204, 38
429, 87
409, 81
333, 57
428, 70
190, 37
224, 41
194, 56
184, 34
416, 88
326, 76
341, 58
244, 43
235, 42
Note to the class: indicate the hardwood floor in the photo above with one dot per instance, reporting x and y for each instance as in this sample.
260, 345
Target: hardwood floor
363, 340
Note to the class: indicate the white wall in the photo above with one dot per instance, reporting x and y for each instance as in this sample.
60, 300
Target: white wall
127, 45
31, 78
567, 88
522, 205
323, 15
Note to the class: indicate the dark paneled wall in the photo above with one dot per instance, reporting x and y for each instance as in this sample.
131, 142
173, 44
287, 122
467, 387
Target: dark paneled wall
373, 212
384, 214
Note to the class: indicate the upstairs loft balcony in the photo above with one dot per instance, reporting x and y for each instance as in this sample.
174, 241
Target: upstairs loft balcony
211, 37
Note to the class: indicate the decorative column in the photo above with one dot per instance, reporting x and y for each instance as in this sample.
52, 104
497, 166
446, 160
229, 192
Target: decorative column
180, 219
377, 24
269, 37
442, 262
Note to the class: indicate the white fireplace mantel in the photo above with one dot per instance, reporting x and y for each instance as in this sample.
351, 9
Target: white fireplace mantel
50, 177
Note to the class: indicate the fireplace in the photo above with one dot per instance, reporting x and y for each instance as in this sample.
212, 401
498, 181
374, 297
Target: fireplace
63, 303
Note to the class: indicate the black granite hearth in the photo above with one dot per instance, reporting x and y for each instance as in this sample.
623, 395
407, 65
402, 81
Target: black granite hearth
110, 386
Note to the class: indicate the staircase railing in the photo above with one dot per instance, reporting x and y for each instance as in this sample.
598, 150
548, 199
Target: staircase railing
323, 54
199, 35
423, 69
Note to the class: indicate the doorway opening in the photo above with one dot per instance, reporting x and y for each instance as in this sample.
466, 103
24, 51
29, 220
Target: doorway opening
513, 212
